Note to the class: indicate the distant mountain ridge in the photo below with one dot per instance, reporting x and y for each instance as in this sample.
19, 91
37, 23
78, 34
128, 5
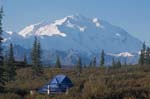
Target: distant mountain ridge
77, 35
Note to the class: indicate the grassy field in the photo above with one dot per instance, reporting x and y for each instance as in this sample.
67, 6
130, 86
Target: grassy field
130, 82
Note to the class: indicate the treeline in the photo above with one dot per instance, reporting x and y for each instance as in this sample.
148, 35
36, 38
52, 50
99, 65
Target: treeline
8, 63
144, 55
2, 80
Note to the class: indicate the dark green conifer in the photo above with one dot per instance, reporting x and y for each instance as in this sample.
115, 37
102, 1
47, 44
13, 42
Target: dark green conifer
142, 59
102, 59
36, 58
2, 80
113, 62
94, 62
25, 60
58, 63
118, 64
11, 70
79, 66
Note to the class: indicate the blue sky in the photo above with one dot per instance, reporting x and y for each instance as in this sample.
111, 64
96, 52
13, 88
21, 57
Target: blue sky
132, 15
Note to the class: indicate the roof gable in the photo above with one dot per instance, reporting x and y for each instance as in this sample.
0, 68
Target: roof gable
58, 79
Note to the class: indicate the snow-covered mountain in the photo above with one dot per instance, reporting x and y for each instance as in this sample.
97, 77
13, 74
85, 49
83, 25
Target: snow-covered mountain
77, 35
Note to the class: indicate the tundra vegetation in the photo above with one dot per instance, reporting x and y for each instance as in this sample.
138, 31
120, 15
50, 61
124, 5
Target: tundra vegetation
119, 81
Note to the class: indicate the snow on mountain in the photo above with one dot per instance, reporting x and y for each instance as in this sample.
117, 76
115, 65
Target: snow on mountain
42, 29
9, 32
79, 34
123, 54
95, 20
11, 37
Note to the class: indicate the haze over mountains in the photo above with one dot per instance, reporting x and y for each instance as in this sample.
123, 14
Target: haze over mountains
74, 36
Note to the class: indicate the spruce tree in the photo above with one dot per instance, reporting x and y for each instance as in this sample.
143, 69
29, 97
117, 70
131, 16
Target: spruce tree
39, 53
58, 63
144, 46
2, 81
6, 67
34, 55
102, 59
11, 53
147, 56
113, 62
144, 52
36, 58
94, 62
125, 65
118, 64
79, 66
125, 62
84, 66
25, 60
142, 59
11, 70
90, 64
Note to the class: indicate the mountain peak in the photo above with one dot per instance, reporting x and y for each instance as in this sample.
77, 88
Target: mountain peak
88, 34
77, 35
51, 29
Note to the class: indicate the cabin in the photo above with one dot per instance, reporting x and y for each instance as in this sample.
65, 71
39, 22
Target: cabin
59, 83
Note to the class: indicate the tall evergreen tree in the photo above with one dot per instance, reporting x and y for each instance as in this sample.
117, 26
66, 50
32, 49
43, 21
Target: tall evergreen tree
6, 68
102, 59
1, 55
118, 64
147, 56
125, 62
39, 53
84, 66
25, 60
113, 62
58, 63
90, 64
34, 55
144, 52
79, 66
36, 58
11, 70
94, 62
148, 51
11, 54
144, 46
142, 59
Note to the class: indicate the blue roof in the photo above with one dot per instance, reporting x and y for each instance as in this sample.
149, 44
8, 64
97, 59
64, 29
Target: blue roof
58, 79
59, 83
